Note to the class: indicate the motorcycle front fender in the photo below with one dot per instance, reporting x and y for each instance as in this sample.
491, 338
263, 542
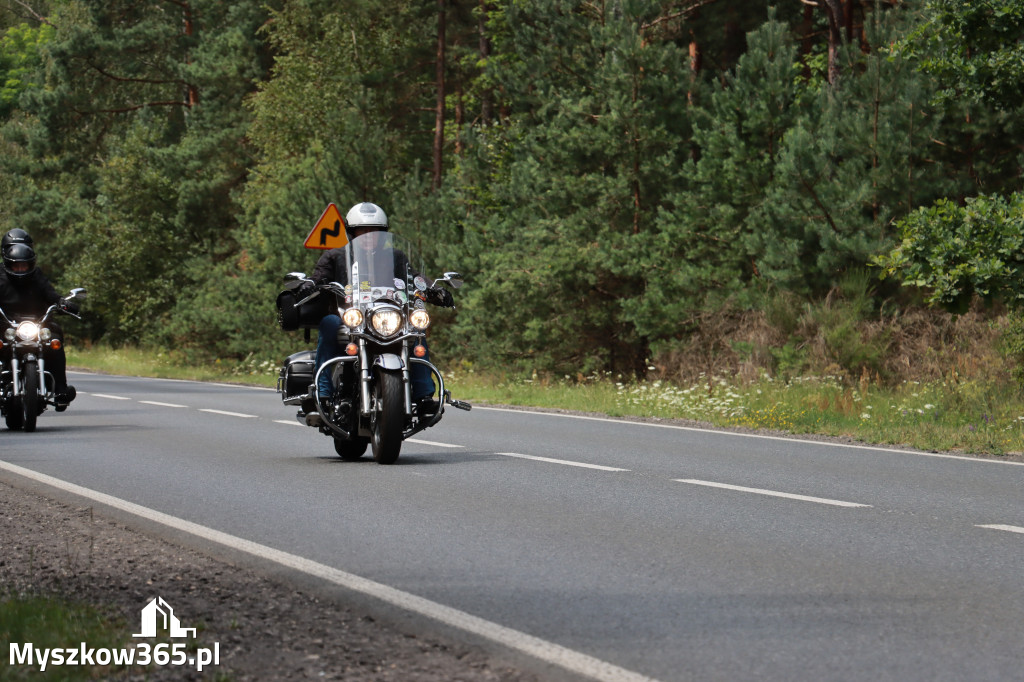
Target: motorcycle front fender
388, 361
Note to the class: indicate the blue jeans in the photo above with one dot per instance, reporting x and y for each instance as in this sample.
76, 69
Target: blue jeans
327, 348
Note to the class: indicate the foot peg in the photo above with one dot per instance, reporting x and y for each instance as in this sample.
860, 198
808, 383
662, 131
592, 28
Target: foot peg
457, 404
314, 419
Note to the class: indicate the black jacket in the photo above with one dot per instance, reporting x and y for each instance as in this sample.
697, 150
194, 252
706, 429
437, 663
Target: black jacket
333, 266
26, 296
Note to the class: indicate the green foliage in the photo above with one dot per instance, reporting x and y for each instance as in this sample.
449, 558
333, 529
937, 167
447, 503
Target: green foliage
976, 49
19, 60
957, 252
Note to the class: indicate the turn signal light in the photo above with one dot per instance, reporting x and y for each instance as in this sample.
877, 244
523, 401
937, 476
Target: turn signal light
420, 351
351, 349
55, 344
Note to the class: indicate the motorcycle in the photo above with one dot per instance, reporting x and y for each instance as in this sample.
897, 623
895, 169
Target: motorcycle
383, 329
26, 388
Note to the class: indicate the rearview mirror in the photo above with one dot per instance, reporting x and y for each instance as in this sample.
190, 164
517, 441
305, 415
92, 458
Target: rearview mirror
453, 278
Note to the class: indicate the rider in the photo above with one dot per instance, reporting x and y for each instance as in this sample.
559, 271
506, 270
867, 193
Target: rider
362, 219
26, 292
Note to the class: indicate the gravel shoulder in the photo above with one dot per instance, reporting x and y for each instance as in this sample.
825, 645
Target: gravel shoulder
268, 627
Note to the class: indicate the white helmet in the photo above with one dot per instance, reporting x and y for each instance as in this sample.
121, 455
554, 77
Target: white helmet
366, 215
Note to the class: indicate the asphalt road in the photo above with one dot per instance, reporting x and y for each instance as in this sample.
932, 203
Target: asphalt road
678, 554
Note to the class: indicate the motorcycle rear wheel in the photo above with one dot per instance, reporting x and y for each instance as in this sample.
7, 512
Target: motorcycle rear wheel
389, 420
351, 450
30, 397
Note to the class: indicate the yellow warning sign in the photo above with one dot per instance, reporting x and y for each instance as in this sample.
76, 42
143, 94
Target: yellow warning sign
329, 231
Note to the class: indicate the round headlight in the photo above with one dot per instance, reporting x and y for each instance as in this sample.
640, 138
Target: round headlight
353, 317
45, 335
386, 322
28, 331
9, 333
419, 319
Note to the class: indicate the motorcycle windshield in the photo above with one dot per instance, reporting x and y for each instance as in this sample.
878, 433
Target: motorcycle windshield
380, 267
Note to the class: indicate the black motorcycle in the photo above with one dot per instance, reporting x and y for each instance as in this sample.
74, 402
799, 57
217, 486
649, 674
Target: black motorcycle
383, 330
26, 388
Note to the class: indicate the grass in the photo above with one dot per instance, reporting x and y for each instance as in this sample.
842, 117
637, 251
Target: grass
970, 416
53, 622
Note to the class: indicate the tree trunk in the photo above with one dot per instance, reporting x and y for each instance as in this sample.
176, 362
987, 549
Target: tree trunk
439, 112
836, 14
485, 52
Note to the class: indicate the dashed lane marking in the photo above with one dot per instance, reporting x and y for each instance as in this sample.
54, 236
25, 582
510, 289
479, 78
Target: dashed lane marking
231, 414
430, 442
109, 397
159, 404
771, 493
565, 462
1002, 526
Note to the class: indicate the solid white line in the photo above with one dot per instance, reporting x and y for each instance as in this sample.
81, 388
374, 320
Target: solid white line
716, 432
772, 493
560, 461
1000, 526
285, 421
111, 397
159, 404
430, 442
231, 414
543, 650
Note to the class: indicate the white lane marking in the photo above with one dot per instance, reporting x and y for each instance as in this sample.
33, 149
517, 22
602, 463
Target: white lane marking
231, 414
1001, 526
286, 421
430, 442
772, 493
109, 397
159, 404
549, 652
749, 435
560, 461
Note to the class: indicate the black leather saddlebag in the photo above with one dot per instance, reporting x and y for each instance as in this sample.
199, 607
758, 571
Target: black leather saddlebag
305, 316
296, 375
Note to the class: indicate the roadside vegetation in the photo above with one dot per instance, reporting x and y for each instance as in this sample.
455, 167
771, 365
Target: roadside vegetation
56, 622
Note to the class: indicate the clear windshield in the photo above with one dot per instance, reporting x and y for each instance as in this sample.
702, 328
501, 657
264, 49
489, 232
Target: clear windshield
381, 265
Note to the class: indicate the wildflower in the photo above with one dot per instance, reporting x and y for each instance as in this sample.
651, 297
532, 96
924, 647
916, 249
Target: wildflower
865, 415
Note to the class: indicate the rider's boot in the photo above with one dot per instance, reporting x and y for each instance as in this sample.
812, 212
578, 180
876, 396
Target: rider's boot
63, 397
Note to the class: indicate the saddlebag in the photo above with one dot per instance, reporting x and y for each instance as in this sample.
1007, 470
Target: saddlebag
296, 375
305, 316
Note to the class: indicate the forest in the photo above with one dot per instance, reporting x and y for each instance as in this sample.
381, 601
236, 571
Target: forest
628, 186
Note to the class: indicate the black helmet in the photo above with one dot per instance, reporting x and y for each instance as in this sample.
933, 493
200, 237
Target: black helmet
15, 236
19, 260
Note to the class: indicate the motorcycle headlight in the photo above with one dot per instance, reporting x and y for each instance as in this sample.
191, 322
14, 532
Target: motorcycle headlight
45, 335
386, 322
353, 317
28, 331
9, 333
419, 319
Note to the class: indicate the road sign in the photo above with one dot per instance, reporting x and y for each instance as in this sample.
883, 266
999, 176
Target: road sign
329, 231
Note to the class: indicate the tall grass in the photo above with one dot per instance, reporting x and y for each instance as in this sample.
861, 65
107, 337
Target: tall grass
967, 416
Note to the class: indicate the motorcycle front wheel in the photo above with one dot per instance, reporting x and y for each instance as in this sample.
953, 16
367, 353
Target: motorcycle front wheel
30, 396
350, 450
389, 417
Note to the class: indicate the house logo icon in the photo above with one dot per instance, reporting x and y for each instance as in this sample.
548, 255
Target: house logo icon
158, 614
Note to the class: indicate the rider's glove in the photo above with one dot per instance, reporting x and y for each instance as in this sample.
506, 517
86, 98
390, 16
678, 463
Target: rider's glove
440, 296
69, 306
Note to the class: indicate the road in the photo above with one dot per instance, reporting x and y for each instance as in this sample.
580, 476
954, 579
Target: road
675, 554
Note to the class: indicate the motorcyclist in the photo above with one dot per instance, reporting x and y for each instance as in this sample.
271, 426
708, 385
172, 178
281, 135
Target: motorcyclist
26, 292
362, 219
